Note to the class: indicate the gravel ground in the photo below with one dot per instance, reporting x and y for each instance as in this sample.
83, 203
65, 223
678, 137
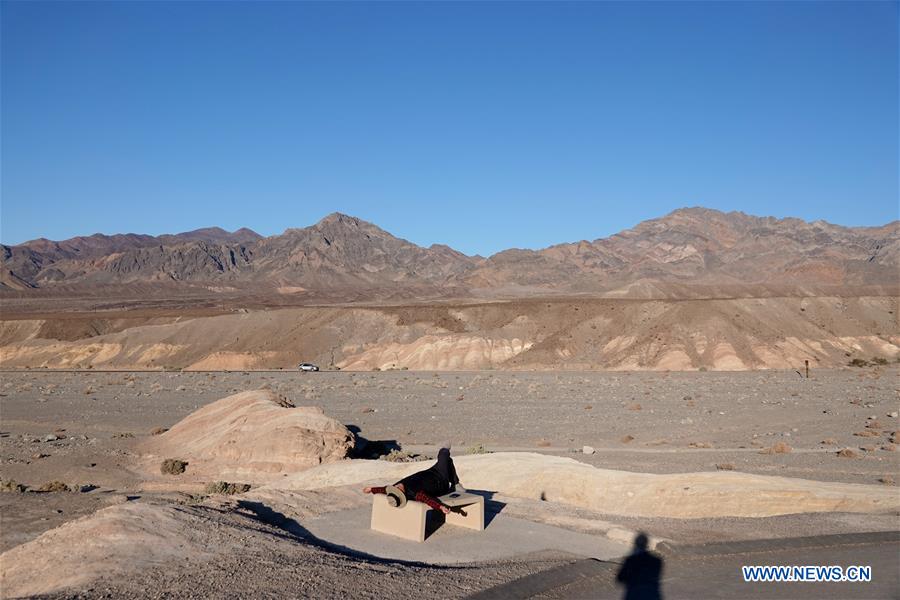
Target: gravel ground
676, 422
256, 559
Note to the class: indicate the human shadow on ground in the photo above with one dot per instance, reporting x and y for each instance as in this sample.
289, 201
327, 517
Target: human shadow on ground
296, 532
641, 572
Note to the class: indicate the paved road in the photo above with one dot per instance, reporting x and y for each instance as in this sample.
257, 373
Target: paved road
714, 571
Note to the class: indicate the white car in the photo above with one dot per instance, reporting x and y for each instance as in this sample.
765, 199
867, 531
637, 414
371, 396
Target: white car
309, 367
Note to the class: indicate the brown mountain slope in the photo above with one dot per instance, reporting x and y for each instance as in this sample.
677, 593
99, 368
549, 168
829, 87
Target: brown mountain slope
708, 247
43, 262
689, 249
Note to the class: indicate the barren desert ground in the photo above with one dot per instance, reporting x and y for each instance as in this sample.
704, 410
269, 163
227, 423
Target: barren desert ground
86, 429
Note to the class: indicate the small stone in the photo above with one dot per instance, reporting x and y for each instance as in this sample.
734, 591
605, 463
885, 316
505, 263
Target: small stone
49, 438
587, 450
893, 414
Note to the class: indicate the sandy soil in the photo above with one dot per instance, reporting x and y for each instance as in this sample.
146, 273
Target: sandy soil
678, 422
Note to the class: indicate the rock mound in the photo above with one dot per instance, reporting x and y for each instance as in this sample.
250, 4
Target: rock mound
252, 437
112, 541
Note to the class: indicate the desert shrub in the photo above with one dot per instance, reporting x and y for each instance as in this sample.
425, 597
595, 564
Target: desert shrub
542, 443
778, 448
866, 433
158, 430
400, 456
725, 466
123, 435
223, 487
847, 453
886, 480
879, 360
172, 466
10, 485
858, 362
476, 449
54, 486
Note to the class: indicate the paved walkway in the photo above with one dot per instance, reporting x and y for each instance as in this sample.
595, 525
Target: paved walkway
503, 537
714, 571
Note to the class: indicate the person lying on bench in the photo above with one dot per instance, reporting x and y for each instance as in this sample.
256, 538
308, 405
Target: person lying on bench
424, 486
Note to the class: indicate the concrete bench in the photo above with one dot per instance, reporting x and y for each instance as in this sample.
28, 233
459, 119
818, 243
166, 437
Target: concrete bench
409, 522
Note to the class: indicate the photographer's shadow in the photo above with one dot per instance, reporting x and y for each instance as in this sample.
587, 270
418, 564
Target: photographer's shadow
641, 572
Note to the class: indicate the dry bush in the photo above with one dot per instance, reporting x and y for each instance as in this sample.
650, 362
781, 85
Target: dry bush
54, 486
725, 466
223, 487
778, 448
627, 438
367, 409
173, 466
889, 447
886, 480
398, 456
873, 424
10, 485
476, 449
123, 435
542, 443
88, 391
158, 430
829, 442
847, 453
634, 407
588, 407
700, 445
866, 433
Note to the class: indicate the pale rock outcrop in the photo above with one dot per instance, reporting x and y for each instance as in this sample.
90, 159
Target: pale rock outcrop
679, 495
114, 540
251, 437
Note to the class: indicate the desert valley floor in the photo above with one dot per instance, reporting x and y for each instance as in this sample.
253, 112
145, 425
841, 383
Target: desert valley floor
85, 429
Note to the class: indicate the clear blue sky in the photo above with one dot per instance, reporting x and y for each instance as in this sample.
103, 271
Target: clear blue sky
483, 126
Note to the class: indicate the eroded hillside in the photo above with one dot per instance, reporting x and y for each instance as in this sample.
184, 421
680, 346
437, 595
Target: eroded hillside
619, 334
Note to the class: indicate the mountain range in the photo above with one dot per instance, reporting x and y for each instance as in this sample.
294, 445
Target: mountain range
688, 249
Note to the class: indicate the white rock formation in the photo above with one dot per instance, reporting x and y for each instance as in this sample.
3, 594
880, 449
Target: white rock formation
680, 495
